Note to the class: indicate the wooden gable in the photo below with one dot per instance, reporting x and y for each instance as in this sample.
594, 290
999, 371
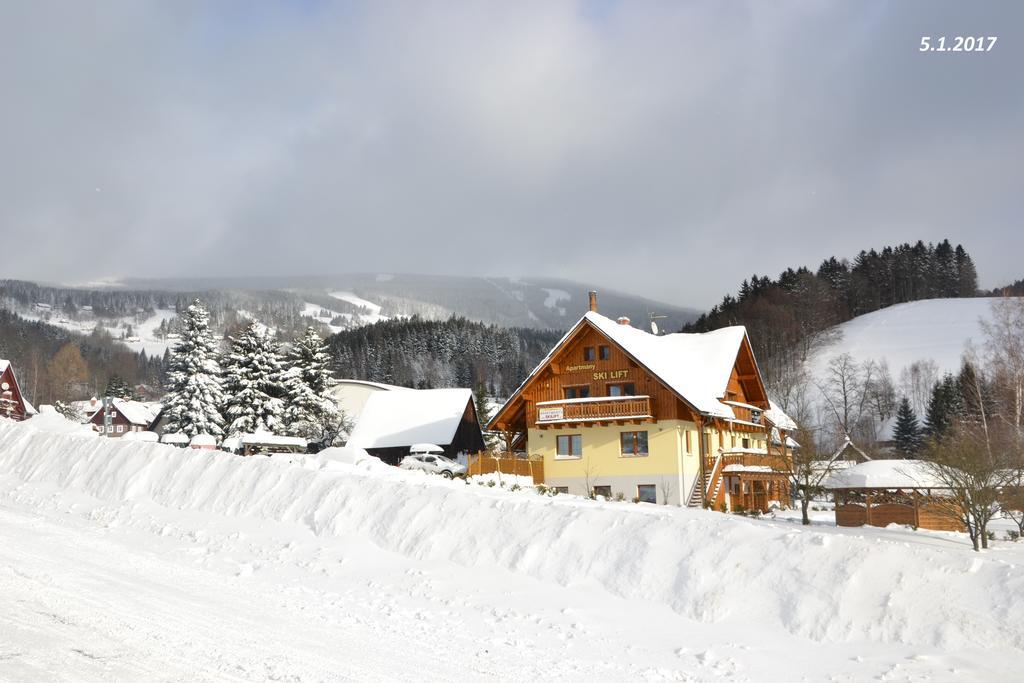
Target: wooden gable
16, 408
569, 368
745, 383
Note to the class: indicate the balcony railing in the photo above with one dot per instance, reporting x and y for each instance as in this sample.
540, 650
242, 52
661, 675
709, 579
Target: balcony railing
755, 461
598, 409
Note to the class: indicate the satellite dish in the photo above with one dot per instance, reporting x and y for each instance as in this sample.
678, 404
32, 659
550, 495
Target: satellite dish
654, 325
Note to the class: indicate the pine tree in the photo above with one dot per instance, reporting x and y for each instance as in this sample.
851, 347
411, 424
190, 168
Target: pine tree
483, 415
945, 405
311, 413
194, 394
119, 388
907, 432
253, 381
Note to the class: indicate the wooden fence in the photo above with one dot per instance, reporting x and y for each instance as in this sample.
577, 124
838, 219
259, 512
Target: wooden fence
486, 463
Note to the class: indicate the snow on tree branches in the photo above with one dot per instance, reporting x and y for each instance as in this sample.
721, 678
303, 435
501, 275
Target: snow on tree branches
253, 383
311, 414
194, 393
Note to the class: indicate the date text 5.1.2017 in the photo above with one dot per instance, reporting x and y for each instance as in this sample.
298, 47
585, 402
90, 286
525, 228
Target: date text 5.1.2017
957, 44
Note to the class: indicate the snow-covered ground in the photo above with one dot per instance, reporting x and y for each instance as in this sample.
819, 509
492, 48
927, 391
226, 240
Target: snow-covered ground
137, 561
936, 329
143, 331
370, 318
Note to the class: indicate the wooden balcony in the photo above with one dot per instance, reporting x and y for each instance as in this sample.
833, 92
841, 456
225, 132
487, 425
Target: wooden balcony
597, 410
755, 461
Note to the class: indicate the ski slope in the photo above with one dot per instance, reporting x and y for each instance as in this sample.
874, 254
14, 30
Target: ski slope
936, 329
128, 560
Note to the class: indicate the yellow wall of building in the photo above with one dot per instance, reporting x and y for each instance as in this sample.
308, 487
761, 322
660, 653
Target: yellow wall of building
602, 462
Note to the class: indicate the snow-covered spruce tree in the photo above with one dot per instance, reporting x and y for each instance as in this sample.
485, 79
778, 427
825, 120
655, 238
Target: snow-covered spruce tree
253, 381
483, 415
310, 412
907, 432
194, 394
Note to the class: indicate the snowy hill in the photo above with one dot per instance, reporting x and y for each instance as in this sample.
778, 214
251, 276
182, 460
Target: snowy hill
140, 557
512, 302
936, 329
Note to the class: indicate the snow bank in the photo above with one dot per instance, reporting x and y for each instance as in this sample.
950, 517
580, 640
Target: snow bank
49, 420
823, 584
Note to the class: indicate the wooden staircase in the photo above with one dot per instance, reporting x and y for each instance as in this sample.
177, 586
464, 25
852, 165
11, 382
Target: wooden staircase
712, 485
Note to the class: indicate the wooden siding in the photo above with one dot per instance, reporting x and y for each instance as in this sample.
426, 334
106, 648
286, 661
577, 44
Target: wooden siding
14, 403
569, 369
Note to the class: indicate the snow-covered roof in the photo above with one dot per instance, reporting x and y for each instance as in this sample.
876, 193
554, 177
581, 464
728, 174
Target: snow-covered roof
174, 437
886, 474
425, 448
696, 366
4, 364
365, 383
266, 438
203, 440
137, 412
777, 416
751, 469
402, 418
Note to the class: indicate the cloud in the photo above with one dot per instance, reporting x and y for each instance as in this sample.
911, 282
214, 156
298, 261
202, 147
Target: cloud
668, 149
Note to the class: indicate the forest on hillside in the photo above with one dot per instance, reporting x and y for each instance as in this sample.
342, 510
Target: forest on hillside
790, 316
54, 364
427, 354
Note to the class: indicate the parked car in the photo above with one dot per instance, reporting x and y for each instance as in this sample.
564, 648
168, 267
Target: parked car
431, 458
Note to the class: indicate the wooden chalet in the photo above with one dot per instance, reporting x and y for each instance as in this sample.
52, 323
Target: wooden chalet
674, 419
13, 404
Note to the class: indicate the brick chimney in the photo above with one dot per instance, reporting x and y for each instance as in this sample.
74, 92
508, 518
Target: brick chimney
593, 301
623, 320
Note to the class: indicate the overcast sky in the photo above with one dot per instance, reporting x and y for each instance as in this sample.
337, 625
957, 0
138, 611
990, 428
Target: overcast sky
667, 149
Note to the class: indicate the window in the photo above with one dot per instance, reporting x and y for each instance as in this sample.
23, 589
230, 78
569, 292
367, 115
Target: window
588, 353
604, 352
688, 442
113, 414
622, 389
705, 444
734, 441
569, 446
605, 491
746, 443
633, 443
577, 392
755, 416
120, 428
561, 489
646, 493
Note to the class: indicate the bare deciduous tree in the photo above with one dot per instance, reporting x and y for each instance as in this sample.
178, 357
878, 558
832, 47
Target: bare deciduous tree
813, 464
970, 463
1004, 350
916, 383
847, 391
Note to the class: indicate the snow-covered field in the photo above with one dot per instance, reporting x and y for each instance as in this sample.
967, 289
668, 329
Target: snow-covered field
936, 329
130, 561
143, 330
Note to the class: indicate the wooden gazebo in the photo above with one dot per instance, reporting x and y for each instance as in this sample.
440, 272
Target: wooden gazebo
884, 492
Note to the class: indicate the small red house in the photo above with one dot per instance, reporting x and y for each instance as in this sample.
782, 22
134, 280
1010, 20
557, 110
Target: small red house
12, 402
